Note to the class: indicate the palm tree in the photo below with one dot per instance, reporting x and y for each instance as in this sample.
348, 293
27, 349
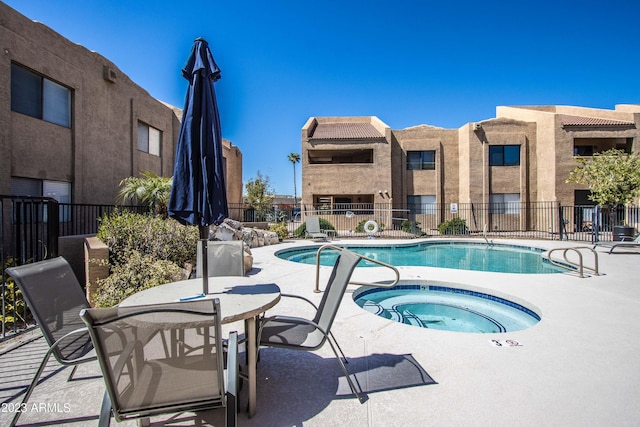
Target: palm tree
150, 189
294, 158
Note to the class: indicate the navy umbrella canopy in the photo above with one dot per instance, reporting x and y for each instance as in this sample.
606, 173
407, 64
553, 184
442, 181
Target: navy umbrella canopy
198, 195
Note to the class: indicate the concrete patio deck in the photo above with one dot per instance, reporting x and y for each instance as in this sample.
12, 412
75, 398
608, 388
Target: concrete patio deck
578, 366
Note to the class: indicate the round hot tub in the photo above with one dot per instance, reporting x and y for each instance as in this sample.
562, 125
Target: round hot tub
445, 307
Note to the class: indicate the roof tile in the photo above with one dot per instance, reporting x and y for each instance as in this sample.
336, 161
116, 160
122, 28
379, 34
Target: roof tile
345, 131
568, 120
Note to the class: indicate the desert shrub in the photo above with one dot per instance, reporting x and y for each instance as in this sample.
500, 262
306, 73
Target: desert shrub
455, 225
360, 226
162, 239
136, 273
144, 251
14, 306
280, 229
324, 225
412, 227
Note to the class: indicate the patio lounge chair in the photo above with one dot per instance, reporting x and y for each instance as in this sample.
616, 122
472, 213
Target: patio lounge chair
145, 375
635, 243
225, 258
55, 299
297, 333
313, 229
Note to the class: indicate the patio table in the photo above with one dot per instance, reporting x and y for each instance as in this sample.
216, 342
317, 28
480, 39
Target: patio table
241, 298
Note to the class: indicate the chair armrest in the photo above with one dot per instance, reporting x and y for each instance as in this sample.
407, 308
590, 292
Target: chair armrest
88, 356
292, 318
299, 297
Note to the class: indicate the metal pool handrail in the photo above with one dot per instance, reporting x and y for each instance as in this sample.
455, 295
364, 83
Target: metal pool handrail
580, 265
375, 261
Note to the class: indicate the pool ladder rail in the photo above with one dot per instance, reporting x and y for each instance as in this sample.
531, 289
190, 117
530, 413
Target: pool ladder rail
572, 265
351, 282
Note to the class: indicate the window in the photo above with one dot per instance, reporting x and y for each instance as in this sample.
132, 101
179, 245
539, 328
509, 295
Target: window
504, 155
422, 204
583, 150
334, 157
421, 160
149, 139
59, 190
506, 203
359, 204
39, 97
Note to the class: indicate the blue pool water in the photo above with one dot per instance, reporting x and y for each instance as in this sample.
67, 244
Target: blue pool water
435, 306
459, 255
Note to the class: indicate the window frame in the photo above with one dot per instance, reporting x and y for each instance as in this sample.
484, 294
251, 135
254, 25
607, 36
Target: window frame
49, 100
427, 160
144, 140
502, 206
427, 204
498, 155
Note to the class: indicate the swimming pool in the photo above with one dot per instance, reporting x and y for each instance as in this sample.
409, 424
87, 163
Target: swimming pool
440, 306
498, 258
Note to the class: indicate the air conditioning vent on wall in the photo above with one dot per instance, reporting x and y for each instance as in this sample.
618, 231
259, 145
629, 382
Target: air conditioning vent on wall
109, 74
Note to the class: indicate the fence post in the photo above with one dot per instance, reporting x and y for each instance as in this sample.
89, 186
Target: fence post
53, 228
595, 227
560, 222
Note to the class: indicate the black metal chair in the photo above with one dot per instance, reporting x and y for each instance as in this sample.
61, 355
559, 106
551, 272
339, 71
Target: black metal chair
146, 375
55, 299
297, 333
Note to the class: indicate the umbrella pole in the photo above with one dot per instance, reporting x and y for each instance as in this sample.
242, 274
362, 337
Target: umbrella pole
204, 238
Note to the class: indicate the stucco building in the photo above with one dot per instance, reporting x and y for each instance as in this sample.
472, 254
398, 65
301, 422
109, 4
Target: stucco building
73, 125
499, 167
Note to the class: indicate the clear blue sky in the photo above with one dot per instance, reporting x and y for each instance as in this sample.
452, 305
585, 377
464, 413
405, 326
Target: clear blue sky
441, 63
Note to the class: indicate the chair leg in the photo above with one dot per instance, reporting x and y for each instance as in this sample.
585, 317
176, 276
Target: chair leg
361, 399
338, 345
105, 411
73, 371
31, 386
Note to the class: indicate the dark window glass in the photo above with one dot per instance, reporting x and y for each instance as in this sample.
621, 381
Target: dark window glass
504, 155
511, 155
39, 97
421, 160
26, 92
583, 150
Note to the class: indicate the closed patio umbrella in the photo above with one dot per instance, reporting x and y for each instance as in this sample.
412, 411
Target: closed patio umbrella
198, 195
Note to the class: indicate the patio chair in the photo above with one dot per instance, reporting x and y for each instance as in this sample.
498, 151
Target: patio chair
146, 377
225, 258
55, 298
297, 333
313, 229
635, 243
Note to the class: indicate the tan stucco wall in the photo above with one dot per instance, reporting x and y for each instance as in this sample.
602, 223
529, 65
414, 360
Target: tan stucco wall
428, 182
554, 144
347, 179
100, 148
546, 157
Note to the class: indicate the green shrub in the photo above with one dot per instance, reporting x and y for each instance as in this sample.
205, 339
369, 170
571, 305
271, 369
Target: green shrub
280, 229
137, 273
324, 225
360, 226
14, 305
455, 225
144, 251
412, 227
162, 239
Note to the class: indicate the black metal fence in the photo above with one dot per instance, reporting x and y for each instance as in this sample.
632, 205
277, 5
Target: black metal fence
29, 232
538, 220
30, 227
